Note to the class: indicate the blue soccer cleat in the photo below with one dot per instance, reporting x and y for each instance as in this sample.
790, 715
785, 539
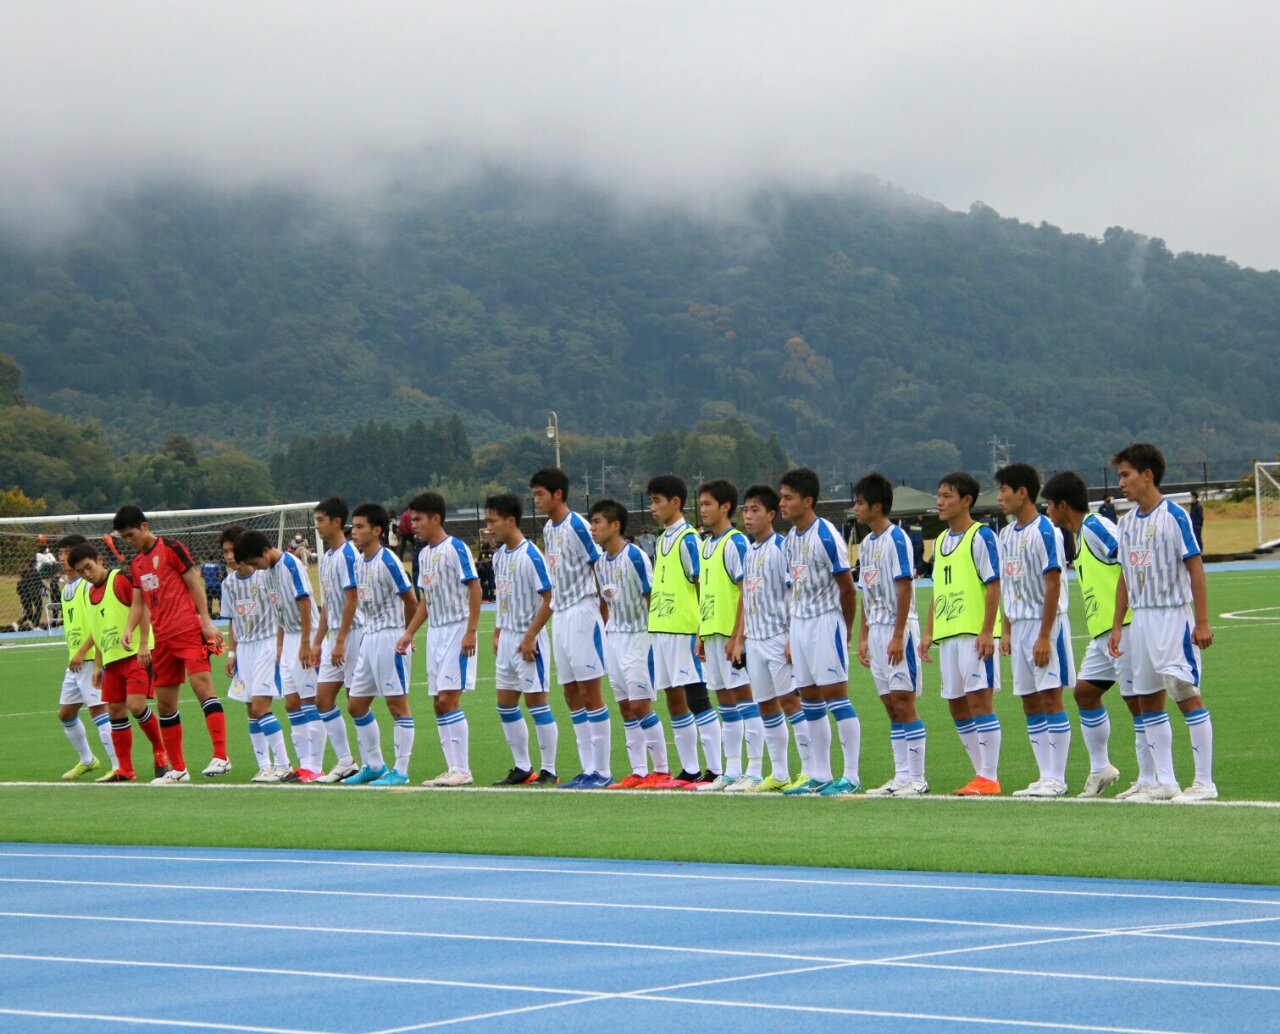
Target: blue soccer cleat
812, 786
365, 775
840, 788
391, 778
578, 782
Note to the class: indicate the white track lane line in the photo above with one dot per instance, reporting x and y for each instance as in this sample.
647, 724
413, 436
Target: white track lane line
99, 1017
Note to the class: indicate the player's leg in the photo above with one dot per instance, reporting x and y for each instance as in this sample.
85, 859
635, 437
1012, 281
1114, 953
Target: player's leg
670, 668
752, 737
122, 740
195, 659
832, 670
271, 748
101, 720
139, 691
73, 728
402, 735
169, 673
507, 678
768, 676
1059, 673
987, 731
1182, 677
299, 720
335, 728
1097, 675
1149, 686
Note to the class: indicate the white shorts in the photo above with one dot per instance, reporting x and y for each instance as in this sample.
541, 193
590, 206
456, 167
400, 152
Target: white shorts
330, 673
819, 650
718, 672
1099, 667
295, 677
577, 638
628, 657
512, 673
77, 687
903, 677
1164, 657
963, 671
768, 668
256, 667
675, 659
380, 671
1061, 669
448, 668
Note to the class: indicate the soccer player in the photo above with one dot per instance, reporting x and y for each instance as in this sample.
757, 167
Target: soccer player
719, 596
337, 640
246, 601
1037, 634
760, 639
1098, 570
520, 643
577, 633
674, 616
1163, 581
289, 586
172, 595
626, 578
387, 603
889, 634
451, 601
823, 606
125, 684
963, 621
78, 688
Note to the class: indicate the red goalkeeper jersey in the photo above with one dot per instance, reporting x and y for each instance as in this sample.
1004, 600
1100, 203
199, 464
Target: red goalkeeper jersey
158, 573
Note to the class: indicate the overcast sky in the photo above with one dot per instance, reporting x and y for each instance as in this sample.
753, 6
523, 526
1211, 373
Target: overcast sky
1160, 117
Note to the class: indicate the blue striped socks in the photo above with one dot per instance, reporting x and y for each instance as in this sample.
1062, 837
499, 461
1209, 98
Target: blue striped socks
103, 723
732, 732
370, 741
1200, 727
1095, 727
455, 740
582, 733
776, 740
753, 736
402, 741
548, 733
913, 735
516, 731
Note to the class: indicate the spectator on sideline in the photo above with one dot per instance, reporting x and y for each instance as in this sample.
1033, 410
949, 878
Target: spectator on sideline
1108, 509
405, 531
647, 542
31, 594
1196, 511
213, 572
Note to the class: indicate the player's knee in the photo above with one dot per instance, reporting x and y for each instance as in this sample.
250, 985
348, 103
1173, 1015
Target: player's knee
68, 711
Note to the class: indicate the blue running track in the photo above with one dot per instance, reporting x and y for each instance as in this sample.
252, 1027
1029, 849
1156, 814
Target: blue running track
153, 939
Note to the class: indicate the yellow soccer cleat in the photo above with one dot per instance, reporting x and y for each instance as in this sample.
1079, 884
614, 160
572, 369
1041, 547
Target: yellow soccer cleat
80, 769
769, 785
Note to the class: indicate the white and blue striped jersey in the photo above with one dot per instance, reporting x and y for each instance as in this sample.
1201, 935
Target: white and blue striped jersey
625, 580
766, 589
1154, 548
520, 578
444, 572
1101, 537
816, 556
380, 582
884, 560
337, 575
1027, 553
689, 553
246, 601
291, 584
571, 555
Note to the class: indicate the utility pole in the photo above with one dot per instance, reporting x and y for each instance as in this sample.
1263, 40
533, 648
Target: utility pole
1000, 452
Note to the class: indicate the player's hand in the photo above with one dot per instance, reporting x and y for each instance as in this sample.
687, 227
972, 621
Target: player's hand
304, 655
701, 651
897, 650
126, 640
1113, 644
985, 646
1040, 652
528, 647
1006, 646
213, 636
1202, 635
231, 667
469, 642
97, 676
496, 635
864, 653
733, 650
315, 655
404, 644
144, 656
923, 651
75, 663
339, 656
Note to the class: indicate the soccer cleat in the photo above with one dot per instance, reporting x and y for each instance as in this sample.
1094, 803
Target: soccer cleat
338, 773
545, 778
516, 777
1045, 788
287, 774
597, 781
1030, 790
216, 767
1154, 793
365, 775
652, 780
1197, 792
266, 774
680, 782
80, 769
888, 789
770, 785
717, 784
840, 788
1135, 788
576, 783
1099, 781
116, 776
813, 786
162, 765
305, 775
439, 780
172, 778
627, 782
798, 781
457, 779
391, 778
747, 784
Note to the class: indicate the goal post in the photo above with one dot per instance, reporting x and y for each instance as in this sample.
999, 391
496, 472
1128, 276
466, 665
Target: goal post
30, 596
1266, 488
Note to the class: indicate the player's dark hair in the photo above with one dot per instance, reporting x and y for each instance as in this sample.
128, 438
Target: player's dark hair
876, 488
804, 481
251, 545
722, 490
69, 541
669, 486
128, 517
231, 533
1142, 456
1067, 487
505, 504
962, 483
765, 495
429, 503
553, 479
333, 507
612, 511
83, 551
1020, 475
375, 514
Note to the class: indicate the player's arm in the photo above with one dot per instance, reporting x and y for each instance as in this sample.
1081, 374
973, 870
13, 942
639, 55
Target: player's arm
415, 616
304, 639
1006, 638
1043, 649
897, 644
529, 641
986, 547
231, 649
78, 658
1201, 634
195, 588
1122, 608
848, 598
97, 668
736, 639
927, 641
322, 630
473, 618
864, 640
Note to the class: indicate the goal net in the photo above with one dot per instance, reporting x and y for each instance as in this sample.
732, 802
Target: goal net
31, 573
1266, 480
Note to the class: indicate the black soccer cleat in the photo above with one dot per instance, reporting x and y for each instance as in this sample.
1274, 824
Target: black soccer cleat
162, 770
545, 778
516, 777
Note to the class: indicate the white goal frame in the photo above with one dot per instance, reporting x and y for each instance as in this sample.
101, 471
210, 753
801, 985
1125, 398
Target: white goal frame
1265, 473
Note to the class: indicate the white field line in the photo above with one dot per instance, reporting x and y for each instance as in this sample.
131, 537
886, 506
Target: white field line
244, 858
99, 1017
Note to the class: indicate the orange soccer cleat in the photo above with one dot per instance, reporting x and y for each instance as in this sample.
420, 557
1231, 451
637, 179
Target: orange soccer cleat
629, 783
651, 781
978, 787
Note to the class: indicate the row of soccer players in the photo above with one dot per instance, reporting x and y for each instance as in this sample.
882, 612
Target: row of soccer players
748, 620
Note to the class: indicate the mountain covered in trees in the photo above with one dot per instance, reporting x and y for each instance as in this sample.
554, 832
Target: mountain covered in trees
845, 328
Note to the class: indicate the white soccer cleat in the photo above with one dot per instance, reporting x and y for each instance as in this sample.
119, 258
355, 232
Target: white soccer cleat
1030, 791
1134, 790
216, 767
746, 784
172, 778
1197, 792
1099, 781
456, 779
915, 788
717, 784
1154, 793
890, 788
266, 774
441, 780
1045, 788
338, 773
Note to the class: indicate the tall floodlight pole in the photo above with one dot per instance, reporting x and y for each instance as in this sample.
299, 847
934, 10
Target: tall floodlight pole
553, 432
